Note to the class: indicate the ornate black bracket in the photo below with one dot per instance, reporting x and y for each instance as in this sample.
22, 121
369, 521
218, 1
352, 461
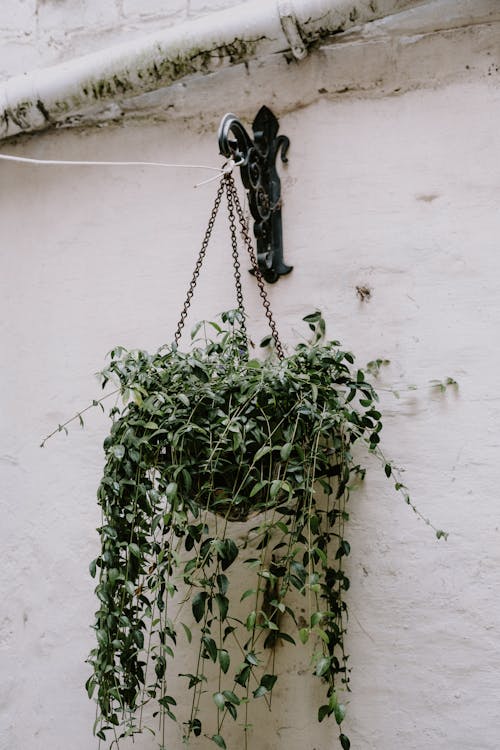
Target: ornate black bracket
256, 160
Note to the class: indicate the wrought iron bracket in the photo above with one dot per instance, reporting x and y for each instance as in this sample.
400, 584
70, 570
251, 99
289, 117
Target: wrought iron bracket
257, 161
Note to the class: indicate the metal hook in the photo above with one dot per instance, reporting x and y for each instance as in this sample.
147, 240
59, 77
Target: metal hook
257, 161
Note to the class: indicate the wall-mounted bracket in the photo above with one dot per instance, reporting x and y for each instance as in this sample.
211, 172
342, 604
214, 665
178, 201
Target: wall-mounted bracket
257, 162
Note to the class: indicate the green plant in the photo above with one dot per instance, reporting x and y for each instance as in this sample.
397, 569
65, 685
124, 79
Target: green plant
443, 385
206, 438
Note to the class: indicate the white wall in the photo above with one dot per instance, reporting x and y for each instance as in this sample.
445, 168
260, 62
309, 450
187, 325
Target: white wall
396, 192
400, 195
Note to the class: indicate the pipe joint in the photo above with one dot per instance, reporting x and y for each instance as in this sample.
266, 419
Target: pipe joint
291, 29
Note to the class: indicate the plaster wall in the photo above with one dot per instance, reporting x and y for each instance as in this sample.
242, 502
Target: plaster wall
398, 195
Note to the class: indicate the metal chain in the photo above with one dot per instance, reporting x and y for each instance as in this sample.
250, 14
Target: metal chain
236, 260
248, 242
233, 201
199, 262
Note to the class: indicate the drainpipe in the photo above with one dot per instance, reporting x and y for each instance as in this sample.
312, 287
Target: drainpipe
58, 95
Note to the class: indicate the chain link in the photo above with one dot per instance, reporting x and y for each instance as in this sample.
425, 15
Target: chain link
255, 266
236, 260
233, 202
199, 262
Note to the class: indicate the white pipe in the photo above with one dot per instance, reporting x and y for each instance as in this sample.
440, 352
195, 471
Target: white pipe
55, 95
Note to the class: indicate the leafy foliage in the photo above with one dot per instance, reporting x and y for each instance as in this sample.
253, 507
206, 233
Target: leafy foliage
207, 438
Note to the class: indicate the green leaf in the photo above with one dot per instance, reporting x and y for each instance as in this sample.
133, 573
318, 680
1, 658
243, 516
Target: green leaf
130, 588
228, 553
210, 646
93, 567
322, 666
232, 710
223, 605
266, 685
286, 451
312, 317
160, 667
171, 491
304, 636
345, 742
90, 686
219, 700
118, 451
247, 593
321, 634
198, 605
316, 618
224, 660
298, 570
323, 711
275, 488
339, 711
138, 637
250, 658
167, 700
268, 680
262, 452
343, 550
187, 631
388, 470
257, 487
243, 675
250, 621
219, 741
231, 697
222, 583
134, 550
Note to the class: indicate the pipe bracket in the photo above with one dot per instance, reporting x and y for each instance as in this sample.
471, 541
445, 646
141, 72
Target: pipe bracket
291, 29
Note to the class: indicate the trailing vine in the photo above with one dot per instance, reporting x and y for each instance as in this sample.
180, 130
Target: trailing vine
208, 439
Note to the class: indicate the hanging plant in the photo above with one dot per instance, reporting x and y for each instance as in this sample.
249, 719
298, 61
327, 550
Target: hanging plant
208, 439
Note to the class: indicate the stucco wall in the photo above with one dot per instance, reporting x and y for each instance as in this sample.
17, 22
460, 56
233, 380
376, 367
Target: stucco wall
398, 194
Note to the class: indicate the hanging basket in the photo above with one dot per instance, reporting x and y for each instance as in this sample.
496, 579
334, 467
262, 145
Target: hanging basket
213, 430
245, 407
208, 437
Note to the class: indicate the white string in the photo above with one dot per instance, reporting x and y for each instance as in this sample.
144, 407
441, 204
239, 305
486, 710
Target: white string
226, 169
66, 162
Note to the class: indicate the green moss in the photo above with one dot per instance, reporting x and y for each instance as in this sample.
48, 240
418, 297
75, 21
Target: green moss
198, 61
166, 69
146, 77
